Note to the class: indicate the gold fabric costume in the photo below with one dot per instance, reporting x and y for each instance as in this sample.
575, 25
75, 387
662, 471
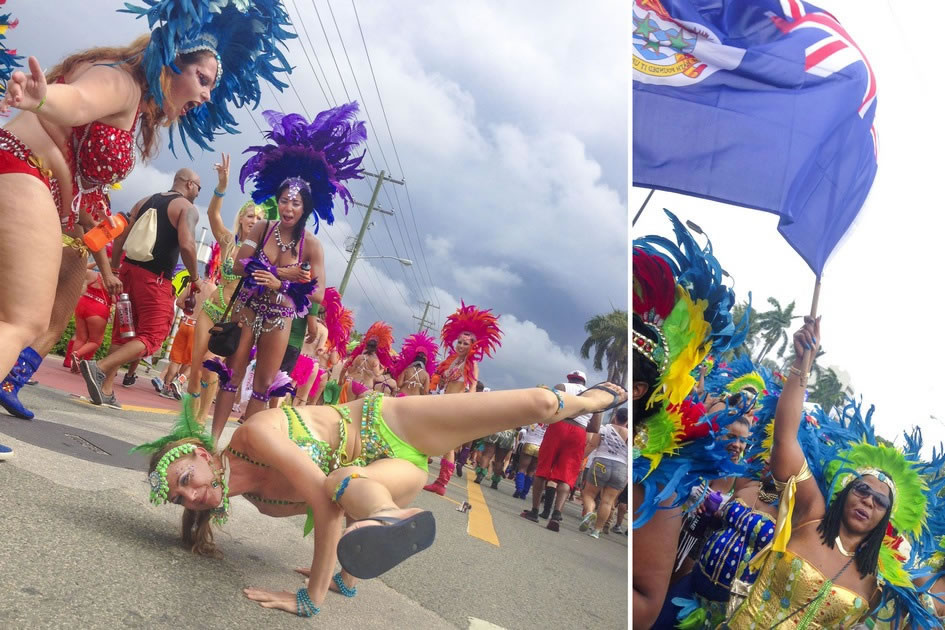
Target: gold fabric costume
787, 582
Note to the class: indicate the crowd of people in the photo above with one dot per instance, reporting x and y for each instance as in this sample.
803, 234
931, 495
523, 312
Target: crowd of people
338, 430
753, 508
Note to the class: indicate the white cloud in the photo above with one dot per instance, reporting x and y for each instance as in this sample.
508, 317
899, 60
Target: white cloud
483, 280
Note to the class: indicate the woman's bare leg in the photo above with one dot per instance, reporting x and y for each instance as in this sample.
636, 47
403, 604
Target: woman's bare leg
69, 285
30, 252
434, 424
237, 362
270, 348
589, 497
201, 339
81, 337
607, 498
94, 330
488, 454
524, 461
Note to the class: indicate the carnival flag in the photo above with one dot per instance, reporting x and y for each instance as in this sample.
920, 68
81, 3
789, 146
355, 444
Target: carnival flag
765, 104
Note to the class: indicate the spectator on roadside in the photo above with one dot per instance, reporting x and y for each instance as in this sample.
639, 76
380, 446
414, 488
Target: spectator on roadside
146, 277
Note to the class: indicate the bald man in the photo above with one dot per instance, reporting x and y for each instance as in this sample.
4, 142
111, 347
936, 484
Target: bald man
148, 282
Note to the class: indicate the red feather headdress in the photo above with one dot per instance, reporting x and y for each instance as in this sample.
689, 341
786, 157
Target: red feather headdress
384, 334
338, 321
482, 325
413, 344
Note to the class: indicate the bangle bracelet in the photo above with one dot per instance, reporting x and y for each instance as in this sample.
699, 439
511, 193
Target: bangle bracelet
217, 193
557, 395
797, 372
42, 102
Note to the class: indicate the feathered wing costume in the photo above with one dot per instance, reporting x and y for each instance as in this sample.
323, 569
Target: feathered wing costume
338, 320
384, 334
9, 60
414, 344
678, 294
244, 36
483, 326
320, 153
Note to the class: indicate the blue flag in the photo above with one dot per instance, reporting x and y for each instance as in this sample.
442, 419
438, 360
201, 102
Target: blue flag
765, 104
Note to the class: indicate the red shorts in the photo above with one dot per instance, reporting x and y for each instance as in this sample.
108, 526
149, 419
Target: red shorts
152, 302
87, 307
183, 347
561, 452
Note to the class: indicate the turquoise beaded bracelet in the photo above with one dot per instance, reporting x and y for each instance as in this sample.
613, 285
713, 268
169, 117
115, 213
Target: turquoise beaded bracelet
557, 395
304, 605
343, 588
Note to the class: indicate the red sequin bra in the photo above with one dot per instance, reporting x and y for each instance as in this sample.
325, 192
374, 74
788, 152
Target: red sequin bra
100, 155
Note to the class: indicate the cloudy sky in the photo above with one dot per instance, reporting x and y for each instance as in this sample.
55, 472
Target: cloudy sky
509, 125
880, 293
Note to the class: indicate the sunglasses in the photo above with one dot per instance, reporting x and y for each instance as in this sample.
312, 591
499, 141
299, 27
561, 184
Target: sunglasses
863, 490
199, 187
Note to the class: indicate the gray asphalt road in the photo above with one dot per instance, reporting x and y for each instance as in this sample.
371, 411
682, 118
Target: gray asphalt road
83, 548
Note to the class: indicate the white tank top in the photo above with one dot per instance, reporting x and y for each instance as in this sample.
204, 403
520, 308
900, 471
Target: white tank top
574, 389
534, 433
611, 446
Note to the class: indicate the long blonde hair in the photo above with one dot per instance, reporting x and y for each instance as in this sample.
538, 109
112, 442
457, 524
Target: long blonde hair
131, 58
238, 227
196, 532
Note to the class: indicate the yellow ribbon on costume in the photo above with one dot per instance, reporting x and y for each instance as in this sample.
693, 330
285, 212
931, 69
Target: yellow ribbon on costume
782, 528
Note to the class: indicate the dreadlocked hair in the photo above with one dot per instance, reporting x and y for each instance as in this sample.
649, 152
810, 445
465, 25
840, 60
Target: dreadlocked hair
129, 58
867, 554
196, 532
644, 371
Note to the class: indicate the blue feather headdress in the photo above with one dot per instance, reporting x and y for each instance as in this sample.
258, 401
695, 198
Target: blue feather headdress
9, 60
319, 154
697, 270
243, 34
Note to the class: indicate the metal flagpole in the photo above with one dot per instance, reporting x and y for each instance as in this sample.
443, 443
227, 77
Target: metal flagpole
640, 211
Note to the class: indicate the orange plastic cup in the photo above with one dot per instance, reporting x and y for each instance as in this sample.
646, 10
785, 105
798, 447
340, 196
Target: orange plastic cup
103, 233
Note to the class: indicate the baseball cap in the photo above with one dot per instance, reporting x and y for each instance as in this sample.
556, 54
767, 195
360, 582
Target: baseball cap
578, 374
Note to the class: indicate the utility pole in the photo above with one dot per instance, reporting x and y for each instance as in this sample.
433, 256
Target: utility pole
364, 225
423, 320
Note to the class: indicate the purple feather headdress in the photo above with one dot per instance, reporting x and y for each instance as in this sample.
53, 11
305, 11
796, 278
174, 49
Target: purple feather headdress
318, 153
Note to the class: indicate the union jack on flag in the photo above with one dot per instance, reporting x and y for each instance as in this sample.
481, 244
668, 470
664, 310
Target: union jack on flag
767, 104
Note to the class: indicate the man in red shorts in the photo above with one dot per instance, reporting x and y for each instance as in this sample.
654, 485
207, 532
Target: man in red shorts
148, 282
561, 454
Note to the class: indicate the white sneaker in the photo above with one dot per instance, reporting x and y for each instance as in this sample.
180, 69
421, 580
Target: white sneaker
594, 533
586, 521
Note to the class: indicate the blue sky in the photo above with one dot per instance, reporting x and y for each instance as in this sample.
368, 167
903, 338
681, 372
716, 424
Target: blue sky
509, 124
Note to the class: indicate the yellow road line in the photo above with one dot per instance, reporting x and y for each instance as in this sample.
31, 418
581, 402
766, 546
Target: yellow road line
166, 412
480, 521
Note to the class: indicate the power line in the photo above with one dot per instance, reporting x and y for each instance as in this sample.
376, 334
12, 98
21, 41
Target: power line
393, 144
305, 30
408, 245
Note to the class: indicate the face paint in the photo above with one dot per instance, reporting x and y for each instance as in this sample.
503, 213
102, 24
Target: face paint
296, 184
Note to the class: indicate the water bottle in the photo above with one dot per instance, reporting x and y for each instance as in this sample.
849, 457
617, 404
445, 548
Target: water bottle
104, 233
124, 317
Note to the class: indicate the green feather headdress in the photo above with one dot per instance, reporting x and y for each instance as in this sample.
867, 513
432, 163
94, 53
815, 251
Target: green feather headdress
892, 468
186, 427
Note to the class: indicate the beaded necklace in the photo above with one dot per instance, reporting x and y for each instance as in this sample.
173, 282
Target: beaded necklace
259, 499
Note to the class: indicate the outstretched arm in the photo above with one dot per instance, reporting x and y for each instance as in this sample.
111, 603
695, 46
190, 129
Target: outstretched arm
787, 457
268, 440
222, 235
99, 92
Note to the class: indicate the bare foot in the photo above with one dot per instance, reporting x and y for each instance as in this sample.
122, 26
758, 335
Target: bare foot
349, 580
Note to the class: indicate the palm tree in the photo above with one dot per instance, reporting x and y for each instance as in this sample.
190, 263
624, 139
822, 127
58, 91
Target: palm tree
608, 337
738, 312
828, 391
773, 327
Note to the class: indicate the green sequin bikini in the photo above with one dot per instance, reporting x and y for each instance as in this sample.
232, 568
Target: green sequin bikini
377, 442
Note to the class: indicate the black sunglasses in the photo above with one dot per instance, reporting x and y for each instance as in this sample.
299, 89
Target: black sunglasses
863, 490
